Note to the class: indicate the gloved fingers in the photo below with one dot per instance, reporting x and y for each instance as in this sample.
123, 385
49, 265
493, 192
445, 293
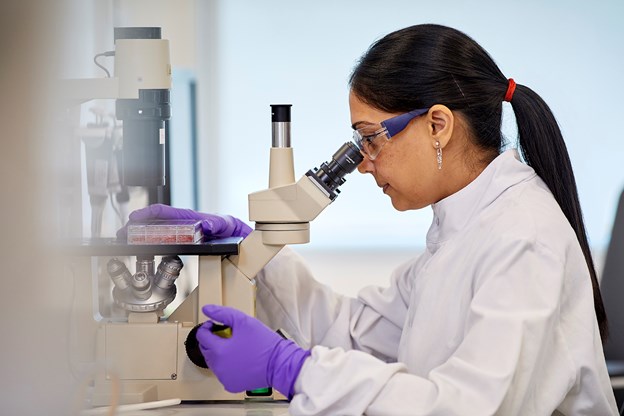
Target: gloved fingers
144, 213
213, 225
224, 226
162, 212
224, 314
206, 326
206, 338
236, 227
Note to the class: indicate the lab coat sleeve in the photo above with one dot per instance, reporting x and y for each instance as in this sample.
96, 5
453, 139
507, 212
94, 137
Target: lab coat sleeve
507, 350
288, 297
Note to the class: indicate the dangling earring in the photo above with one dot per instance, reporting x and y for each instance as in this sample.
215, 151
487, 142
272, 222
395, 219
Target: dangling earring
439, 154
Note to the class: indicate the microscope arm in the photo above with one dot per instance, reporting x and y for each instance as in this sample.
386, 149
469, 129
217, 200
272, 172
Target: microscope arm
294, 205
283, 212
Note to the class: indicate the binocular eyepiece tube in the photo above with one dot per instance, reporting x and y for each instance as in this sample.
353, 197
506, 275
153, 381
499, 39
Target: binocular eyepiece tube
331, 174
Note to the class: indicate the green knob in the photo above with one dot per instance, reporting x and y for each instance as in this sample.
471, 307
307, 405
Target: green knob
223, 331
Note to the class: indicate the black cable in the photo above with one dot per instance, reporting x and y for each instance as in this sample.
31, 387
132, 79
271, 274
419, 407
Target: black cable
116, 209
95, 58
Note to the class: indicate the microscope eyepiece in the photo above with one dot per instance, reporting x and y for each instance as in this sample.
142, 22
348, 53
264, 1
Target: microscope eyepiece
280, 113
331, 174
280, 125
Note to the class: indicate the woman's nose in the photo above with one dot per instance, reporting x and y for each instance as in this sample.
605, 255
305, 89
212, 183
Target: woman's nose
366, 166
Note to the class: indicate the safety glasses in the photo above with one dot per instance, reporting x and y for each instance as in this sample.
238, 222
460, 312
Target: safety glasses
372, 137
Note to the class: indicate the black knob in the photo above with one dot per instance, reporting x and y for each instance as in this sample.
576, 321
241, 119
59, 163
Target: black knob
192, 348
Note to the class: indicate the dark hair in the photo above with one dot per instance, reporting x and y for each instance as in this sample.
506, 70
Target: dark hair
423, 65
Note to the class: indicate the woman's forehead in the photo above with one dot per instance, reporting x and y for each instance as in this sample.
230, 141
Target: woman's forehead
363, 114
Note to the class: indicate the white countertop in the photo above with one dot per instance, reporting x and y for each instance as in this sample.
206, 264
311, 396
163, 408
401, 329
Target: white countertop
233, 408
246, 408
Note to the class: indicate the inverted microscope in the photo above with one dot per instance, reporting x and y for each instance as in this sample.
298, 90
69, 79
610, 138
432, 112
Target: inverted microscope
136, 327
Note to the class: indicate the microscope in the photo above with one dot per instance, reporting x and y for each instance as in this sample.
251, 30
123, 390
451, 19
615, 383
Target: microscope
137, 327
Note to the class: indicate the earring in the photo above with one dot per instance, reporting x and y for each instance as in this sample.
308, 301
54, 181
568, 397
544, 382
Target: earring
438, 154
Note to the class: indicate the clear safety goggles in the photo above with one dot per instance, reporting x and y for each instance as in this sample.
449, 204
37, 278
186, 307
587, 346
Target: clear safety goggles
372, 137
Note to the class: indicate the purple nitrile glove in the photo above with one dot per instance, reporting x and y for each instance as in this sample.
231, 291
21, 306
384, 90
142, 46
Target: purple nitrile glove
213, 225
253, 357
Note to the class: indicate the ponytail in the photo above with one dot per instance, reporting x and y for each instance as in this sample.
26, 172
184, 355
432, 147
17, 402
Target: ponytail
543, 148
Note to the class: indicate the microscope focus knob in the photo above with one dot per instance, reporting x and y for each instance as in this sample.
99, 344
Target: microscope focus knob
192, 348
192, 345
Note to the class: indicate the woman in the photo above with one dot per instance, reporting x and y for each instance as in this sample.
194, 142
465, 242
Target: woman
500, 315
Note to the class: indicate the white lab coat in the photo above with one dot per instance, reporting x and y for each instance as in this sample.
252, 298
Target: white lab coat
496, 317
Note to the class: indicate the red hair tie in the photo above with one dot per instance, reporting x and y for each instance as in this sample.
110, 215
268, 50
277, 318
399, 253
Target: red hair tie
510, 90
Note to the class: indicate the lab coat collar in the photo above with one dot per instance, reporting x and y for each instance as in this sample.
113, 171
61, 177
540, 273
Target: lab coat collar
452, 213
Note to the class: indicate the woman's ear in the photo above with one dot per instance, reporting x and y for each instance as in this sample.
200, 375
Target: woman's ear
440, 125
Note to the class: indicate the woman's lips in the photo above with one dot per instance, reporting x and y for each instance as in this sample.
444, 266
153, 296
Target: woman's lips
385, 188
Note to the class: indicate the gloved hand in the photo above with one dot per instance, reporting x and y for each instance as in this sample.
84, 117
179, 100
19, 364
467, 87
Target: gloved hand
253, 357
212, 224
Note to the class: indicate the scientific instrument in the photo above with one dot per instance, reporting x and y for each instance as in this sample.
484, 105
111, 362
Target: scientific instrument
148, 353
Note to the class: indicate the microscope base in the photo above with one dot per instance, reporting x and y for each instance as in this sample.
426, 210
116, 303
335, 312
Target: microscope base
150, 364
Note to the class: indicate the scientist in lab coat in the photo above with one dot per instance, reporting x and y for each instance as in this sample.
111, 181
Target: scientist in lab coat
501, 315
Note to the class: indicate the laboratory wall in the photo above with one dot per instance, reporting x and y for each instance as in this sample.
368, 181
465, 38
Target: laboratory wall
275, 51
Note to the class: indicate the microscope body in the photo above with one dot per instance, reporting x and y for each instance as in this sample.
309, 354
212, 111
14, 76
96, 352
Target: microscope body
131, 334
282, 213
143, 354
